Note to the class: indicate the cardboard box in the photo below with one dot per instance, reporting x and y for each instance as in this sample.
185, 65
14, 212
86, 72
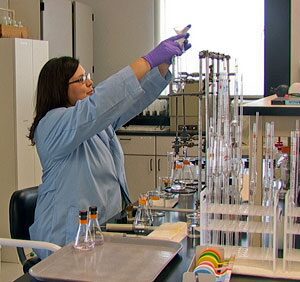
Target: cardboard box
9, 31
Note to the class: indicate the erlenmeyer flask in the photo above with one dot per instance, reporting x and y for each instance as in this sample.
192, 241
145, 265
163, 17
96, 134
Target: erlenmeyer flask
187, 172
84, 240
143, 218
94, 226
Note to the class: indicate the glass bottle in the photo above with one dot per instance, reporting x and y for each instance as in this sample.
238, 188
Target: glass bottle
83, 240
94, 226
143, 218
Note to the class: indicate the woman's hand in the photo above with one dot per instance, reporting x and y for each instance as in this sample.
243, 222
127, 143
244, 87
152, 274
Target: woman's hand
167, 49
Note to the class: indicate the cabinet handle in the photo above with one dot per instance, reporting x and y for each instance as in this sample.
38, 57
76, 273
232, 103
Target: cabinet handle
151, 164
158, 164
125, 139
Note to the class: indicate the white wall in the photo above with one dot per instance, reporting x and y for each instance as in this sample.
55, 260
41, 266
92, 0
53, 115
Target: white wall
123, 31
4, 4
117, 21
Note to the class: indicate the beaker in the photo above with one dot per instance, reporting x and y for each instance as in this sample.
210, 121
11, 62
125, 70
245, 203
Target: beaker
193, 225
177, 183
179, 76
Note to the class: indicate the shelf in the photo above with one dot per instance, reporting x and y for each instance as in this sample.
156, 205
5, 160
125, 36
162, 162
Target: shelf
294, 211
250, 253
238, 226
251, 210
293, 255
293, 229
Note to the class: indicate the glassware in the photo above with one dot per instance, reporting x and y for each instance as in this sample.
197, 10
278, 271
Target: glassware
187, 172
156, 199
179, 76
177, 184
164, 182
94, 226
143, 218
183, 174
193, 225
171, 164
84, 240
129, 212
177, 81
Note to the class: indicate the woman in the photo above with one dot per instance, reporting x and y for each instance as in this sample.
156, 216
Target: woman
74, 132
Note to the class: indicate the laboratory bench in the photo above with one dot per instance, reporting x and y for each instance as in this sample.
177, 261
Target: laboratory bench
284, 117
174, 270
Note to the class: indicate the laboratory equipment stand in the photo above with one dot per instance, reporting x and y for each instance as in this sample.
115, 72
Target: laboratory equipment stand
226, 220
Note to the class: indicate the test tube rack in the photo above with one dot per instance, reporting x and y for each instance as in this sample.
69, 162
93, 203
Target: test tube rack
291, 255
221, 220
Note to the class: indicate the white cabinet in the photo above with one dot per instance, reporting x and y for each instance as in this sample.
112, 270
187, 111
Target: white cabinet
21, 61
140, 167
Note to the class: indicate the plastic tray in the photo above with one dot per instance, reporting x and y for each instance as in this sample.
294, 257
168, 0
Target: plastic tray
118, 259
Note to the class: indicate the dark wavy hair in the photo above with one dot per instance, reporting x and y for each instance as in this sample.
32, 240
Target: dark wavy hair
52, 88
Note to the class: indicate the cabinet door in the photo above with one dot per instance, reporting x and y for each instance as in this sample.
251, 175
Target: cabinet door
161, 168
138, 145
30, 56
140, 168
24, 110
140, 174
163, 145
57, 27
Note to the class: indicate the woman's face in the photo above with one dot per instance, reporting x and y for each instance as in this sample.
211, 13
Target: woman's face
80, 86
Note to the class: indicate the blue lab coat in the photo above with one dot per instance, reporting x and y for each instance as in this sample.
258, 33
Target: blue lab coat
82, 160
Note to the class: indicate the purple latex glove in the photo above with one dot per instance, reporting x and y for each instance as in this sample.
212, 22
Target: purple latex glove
168, 48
